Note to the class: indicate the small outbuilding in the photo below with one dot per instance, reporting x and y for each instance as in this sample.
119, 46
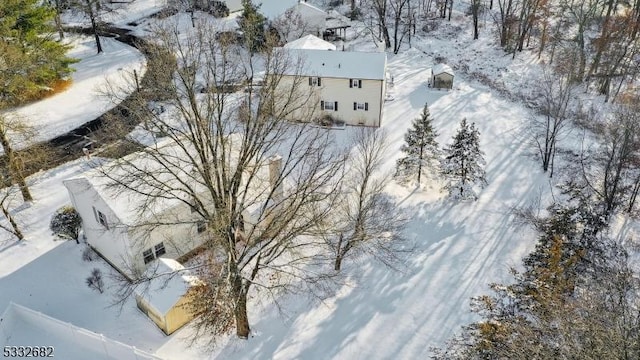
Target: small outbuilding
166, 298
441, 77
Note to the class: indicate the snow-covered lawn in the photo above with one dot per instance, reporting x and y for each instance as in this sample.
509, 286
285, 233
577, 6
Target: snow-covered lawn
460, 247
49, 276
82, 102
379, 313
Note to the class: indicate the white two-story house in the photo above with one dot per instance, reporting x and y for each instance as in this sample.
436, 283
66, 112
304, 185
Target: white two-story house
346, 86
129, 231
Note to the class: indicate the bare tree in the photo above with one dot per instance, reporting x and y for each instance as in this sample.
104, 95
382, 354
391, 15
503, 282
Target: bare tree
380, 9
11, 128
365, 219
476, 8
607, 173
554, 92
93, 10
57, 6
505, 20
8, 194
291, 25
581, 14
251, 178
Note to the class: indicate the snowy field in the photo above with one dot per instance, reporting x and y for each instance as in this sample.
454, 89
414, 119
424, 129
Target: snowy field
378, 313
83, 102
460, 248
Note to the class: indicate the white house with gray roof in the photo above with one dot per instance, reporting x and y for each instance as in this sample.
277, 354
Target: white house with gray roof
129, 231
346, 86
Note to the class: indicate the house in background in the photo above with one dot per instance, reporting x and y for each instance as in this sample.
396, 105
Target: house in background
346, 86
121, 226
310, 42
165, 299
300, 17
233, 5
441, 77
21, 326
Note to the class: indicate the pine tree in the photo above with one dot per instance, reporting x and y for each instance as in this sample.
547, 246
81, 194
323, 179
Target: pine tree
421, 149
30, 59
463, 164
252, 24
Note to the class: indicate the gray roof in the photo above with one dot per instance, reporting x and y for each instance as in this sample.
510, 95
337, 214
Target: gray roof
336, 64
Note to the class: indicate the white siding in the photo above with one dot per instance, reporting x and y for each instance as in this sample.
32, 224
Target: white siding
123, 245
338, 90
112, 243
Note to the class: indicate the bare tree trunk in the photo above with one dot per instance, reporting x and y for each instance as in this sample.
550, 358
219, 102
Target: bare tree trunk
57, 19
242, 320
634, 194
91, 12
475, 9
604, 38
339, 255
16, 230
14, 167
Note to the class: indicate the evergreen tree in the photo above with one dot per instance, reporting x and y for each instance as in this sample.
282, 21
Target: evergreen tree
252, 24
463, 164
30, 59
420, 148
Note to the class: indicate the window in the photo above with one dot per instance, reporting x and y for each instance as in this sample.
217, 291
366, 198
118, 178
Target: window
201, 227
160, 250
148, 256
329, 105
153, 253
355, 83
100, 218
361, 106
315, 81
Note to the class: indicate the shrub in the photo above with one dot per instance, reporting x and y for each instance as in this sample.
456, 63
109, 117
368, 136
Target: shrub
66, 223
218, 9
88, 254
94, 281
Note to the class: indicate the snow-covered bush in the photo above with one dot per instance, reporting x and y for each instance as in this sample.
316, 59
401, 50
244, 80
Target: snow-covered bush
94, 281
66, 223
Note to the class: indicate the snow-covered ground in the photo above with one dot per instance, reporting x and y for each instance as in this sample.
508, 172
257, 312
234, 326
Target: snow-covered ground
378, 313
83, 102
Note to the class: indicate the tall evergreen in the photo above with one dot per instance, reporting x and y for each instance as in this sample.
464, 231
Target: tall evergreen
463, 164
30, 59
420, 148
252, 23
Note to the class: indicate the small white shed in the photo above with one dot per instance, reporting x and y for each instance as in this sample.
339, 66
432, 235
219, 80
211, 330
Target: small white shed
441, 77
166, 298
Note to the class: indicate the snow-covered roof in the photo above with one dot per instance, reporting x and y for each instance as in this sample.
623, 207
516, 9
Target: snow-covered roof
21, 326
169, 282
442, 68
336, 64
126, 204
233, 5
310, 42
273, 9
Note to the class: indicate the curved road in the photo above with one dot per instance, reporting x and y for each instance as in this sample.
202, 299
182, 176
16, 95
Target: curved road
69, 146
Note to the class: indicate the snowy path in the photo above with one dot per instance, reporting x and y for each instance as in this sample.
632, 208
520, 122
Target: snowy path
82, 102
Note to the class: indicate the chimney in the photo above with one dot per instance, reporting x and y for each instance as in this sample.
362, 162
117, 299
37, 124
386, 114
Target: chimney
275, 176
